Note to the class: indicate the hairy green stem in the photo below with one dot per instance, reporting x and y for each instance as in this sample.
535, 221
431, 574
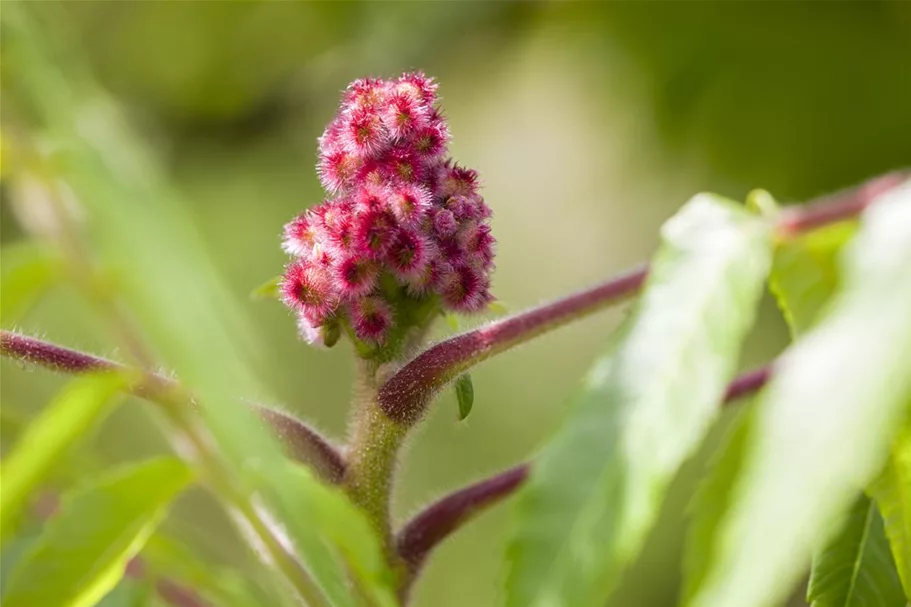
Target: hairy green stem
372, 453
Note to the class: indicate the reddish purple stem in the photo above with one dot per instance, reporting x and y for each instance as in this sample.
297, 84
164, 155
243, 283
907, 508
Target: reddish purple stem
31, 350
305, 444
836, 207
404, 397
178, 595
424, 532
747, 383
301, 441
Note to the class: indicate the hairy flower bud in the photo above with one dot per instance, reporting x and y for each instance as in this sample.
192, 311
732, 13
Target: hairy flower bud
371, 319
404, 228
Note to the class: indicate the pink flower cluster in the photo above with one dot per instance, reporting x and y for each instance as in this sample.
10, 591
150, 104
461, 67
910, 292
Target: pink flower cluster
403, 223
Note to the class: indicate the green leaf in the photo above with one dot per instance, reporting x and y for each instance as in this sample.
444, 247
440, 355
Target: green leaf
805, 273
596, 490
711, 500
207, 345
464, 390
27, 272
803, 278
892, 492
82, 552
267, 290
12, 422
128, 593
762, 203
81, 405
855, 569
824, 423
13, 551
220, 586
326, 527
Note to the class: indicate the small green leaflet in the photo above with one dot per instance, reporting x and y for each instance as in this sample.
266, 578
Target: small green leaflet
498, 308
75, 411
892, 493
595, 492
805, 273
464, 390
452, 321
267, 290
82, 552
856, 569
824, 423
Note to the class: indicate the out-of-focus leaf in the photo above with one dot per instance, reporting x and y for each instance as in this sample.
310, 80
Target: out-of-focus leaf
855, 569
805, 273
596, 490
168, 557
12, 423
803, 278
267, 290
711, 500
825, 422
762, 203
892, 492
3, 152
128, 593
322, 521
27, 272
464, 390
12, 553
46, 440
82, 552
145, 234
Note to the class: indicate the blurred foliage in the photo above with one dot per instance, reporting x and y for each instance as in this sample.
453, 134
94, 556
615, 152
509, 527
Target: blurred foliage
589, 123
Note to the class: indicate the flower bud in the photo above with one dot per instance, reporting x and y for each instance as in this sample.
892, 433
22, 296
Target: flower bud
403, 226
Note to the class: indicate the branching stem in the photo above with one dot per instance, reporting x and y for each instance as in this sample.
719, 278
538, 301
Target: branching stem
405, 397
417, 538
302, 442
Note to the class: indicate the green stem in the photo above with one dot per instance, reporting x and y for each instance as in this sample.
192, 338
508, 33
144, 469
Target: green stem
372, 453
374, 447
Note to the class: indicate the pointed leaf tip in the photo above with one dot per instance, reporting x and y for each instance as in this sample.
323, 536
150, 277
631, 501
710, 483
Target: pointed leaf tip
267, 290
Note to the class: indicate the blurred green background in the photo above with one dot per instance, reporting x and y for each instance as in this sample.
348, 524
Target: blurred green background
590, 123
